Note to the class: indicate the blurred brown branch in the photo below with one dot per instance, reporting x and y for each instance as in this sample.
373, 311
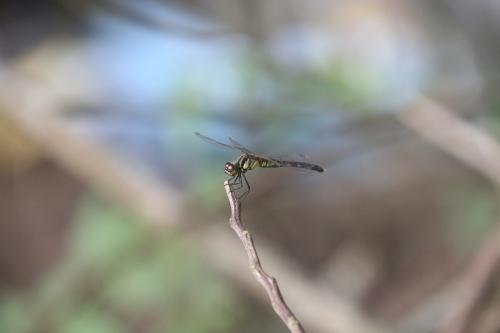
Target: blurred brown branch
35, 111
467, 143
474, 284
480, 151
268, 282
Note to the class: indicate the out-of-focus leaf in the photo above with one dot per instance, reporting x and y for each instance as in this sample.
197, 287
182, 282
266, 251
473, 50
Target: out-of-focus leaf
472, 213
87, 319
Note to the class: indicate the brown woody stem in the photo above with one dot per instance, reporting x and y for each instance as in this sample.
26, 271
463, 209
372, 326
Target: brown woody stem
268, 282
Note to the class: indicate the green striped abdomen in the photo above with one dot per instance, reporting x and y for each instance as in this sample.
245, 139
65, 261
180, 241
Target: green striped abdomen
252, 162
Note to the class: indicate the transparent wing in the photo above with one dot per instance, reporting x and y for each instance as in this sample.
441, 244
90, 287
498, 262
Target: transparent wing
289, 157
239, 146
235, 145
213, 141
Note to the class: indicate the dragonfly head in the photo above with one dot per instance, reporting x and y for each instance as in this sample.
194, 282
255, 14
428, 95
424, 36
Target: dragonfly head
231, 169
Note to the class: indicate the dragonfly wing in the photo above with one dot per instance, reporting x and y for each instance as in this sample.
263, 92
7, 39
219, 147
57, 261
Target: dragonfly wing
239, 146
213, 141
291, 157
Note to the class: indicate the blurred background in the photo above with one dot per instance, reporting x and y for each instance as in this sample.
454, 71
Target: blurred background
113, 217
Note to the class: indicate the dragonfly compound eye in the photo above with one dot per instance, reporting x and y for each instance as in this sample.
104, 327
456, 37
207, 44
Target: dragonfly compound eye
230, 169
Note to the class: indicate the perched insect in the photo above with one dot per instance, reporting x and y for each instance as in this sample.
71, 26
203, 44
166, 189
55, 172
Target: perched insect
248, 161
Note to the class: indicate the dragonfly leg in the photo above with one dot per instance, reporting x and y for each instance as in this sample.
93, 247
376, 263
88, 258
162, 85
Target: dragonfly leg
235, 183
247, 190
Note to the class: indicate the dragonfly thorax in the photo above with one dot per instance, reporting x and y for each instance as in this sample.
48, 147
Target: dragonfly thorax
231, 169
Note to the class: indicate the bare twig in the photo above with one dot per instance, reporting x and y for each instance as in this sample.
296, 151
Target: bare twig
268, 282
321, 309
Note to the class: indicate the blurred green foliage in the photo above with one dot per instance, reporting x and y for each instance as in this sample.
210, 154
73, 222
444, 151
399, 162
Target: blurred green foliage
472, 214
119, 275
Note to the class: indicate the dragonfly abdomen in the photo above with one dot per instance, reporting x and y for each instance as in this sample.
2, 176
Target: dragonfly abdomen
249, 162
302, 165
267, 163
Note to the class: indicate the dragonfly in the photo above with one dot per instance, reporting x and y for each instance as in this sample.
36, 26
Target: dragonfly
249, 160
